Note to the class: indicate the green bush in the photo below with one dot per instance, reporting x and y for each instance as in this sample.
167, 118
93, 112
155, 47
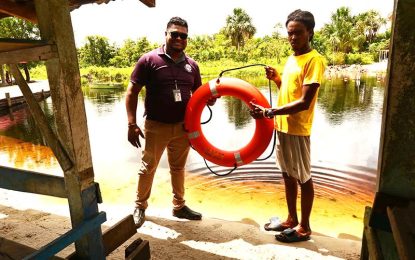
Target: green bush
39, 72
95, 74
338, 58
359, 58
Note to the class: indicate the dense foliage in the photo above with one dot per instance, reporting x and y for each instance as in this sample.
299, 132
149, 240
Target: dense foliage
12, 27
346, 39
15, 28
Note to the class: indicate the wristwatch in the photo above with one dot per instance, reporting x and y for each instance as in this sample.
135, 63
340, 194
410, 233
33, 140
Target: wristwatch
267, 113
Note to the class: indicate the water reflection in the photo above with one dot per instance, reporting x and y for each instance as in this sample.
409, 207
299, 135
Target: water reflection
345, 144
103, 99
337, 98
19, 123
237, 112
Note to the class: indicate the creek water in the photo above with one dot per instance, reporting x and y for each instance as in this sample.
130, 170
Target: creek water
344, 143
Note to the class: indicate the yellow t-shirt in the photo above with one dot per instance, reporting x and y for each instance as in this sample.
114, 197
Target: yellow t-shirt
299, 70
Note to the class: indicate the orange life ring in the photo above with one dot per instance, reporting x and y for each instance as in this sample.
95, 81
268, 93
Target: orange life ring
227, 87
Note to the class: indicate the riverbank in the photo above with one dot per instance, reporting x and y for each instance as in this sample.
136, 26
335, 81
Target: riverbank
171, 238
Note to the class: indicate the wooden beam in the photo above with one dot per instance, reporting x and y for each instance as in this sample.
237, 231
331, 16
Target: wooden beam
149, 3
35, 53
403, 229
33, 182
10, 44
41, 121
21, 9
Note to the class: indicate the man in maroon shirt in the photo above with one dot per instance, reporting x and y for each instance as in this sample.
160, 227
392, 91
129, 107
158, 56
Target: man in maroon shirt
169, 77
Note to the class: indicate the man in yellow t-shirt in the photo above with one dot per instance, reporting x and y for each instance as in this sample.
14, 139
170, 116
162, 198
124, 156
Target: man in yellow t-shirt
298, 89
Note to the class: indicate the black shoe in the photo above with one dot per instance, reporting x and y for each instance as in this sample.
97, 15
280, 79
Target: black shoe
139, 217
187, 213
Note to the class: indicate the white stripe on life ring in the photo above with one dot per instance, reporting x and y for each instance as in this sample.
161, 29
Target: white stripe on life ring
213, 89
238, 158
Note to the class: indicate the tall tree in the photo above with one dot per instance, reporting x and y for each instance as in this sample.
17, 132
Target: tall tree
96, 51
12, 27
369, 24
340, 31
131, 51
239, 27
15, 28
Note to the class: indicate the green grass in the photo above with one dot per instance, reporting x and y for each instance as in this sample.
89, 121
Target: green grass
209, 69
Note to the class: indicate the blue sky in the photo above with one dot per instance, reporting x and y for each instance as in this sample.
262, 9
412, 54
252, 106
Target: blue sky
122, 19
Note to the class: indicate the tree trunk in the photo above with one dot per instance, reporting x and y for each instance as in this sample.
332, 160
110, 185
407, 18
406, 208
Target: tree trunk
3, 77
26, 72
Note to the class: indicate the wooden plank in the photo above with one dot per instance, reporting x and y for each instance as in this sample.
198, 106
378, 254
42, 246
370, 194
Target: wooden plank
22, 9
33, 182
138, 250
403, 230
13, 250
41, 120
68, 238
370, 243
118, 234
34, 53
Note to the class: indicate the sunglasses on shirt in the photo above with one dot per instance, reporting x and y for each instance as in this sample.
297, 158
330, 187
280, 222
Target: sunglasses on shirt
176, 35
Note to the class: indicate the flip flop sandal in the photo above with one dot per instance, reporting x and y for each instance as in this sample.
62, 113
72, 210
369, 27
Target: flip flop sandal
275, 225
291, 235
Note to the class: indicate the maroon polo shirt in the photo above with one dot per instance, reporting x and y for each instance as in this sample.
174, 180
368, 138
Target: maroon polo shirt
158, 73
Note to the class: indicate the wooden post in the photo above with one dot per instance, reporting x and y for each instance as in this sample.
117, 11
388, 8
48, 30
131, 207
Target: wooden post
69, 109
396, 167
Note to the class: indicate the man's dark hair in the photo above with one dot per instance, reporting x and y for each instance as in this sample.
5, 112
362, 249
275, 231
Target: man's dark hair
177, 21
304, 17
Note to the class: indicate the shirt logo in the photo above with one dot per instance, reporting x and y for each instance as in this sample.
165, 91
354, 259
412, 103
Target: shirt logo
188, 68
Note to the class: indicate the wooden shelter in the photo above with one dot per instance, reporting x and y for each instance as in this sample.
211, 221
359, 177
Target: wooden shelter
70, 142
389, 230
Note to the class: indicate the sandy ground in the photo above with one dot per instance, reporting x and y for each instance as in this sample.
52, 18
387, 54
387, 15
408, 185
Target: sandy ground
171, 238
231, 227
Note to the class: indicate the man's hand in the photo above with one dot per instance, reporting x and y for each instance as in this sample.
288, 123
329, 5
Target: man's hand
272, 74
134, 133
257, 111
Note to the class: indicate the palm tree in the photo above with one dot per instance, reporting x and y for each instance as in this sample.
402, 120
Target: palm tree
340, 32
369, 23
239, 28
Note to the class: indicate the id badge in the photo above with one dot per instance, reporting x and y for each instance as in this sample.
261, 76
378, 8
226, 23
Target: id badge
177, 95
